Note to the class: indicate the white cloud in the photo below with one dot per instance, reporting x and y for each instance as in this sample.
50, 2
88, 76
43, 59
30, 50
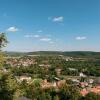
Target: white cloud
12, 29
32, 36
45, 39
58, 19
41, 38
81, 38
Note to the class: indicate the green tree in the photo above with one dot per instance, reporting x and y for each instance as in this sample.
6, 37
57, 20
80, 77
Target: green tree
3, 40
56, 97
92, 96
69, 93
8, 86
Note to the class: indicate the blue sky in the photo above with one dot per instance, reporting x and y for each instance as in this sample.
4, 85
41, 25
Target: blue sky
55, 25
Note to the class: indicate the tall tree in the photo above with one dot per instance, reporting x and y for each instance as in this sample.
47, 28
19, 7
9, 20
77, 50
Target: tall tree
3, 43
3, 40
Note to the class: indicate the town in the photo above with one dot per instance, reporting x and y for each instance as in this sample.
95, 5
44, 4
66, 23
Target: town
54, 71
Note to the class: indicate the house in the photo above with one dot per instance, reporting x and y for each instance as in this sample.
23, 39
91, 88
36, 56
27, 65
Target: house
91, 81
72, 69
22, 78
83, 84
94, 90
58, 71
84, 92
61, 83
82, 75
45, 84
75, 80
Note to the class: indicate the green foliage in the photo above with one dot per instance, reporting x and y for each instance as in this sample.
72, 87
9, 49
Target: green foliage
92, 96
2, 59
3, 40
69, 93
8, 85
56, 97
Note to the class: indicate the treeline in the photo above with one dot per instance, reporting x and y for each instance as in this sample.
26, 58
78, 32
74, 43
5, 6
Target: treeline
79, 54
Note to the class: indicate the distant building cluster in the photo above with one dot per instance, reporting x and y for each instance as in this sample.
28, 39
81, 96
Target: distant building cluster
17, 62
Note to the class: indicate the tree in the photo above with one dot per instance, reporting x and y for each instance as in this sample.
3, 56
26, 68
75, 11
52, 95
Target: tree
2, 59
8, 86
69, 93
92, 96
56, 97
3, 40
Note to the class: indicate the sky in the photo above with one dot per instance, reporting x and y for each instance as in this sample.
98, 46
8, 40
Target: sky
51, 25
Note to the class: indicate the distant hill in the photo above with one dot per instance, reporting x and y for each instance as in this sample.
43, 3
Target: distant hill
66, 53
15, 53
82, 54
